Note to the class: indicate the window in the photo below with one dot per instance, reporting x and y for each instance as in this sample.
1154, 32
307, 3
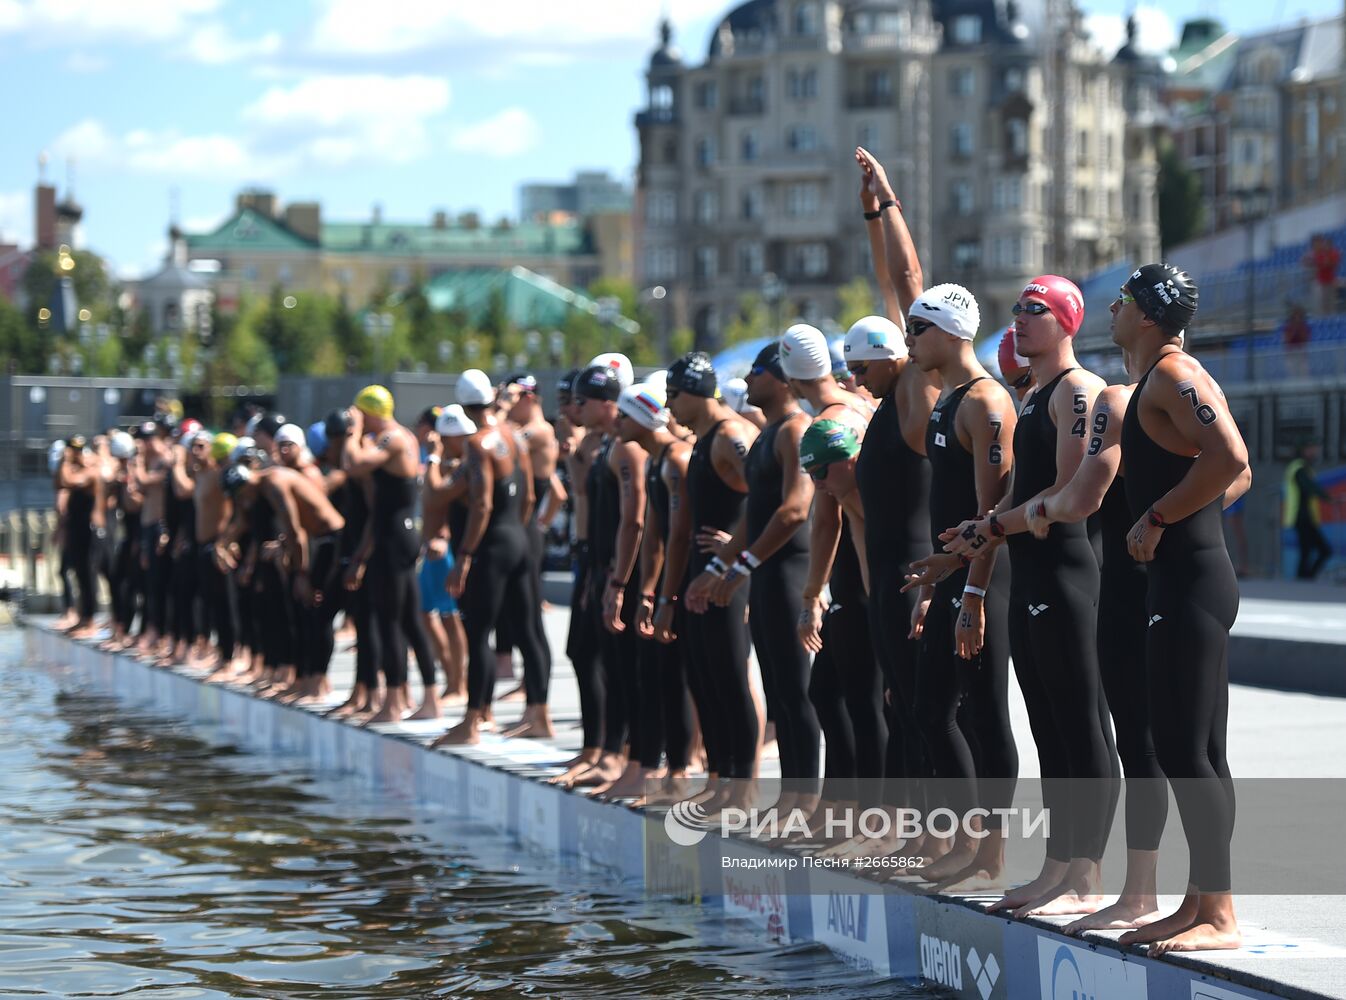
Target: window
801, 200
867, 136
707, 95
1014, 80
401, 277
707, 207
967, 29
961, 197
962, 81
801, 139
661, 97
752, 203
751, 261
671, 151
1007, 194
966, 254
757, 91
879, 83
661, 208
806, 19
1109, 149
1082, 150
284, 273
1017, 130
749, 146
706, 153
1311, 125
661, 262
707, 262
960, 140
810, 260
801, 86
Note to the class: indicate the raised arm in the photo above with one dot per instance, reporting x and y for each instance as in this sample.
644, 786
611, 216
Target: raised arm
904, 267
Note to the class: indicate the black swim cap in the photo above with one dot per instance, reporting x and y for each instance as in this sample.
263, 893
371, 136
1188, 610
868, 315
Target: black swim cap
565, 385
337, 424
598, 382
768, 360
429, 416
270, 423
693, 373
235, 477
1165, 294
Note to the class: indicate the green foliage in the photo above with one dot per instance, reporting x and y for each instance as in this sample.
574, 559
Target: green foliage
1180, 205
855, 301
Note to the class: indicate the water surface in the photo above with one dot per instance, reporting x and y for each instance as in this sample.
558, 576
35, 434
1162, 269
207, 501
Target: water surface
138, 858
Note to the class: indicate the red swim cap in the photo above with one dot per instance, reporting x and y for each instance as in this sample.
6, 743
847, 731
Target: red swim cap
1063, 298
1012, 363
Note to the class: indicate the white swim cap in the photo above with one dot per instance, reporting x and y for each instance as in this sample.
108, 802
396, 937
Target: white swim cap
950, 307
474, 388
803, 353
874, 338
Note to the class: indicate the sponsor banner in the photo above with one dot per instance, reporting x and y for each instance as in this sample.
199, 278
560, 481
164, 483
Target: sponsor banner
261, 732
852, 924
441, 782
397, 768
325, 748
208, 703
758, 895
540, 816
1070, 972
609, 839
960, 949
1204, 989
292, 731
233, 714
486, 802
675, 871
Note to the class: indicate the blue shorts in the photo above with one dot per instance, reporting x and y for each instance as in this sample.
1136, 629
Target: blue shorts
432, 577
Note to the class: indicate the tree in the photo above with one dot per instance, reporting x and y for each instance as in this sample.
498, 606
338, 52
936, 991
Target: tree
752, 320
1180, 204
855, 301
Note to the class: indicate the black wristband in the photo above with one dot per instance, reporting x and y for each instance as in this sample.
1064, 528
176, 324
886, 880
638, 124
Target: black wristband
871, 216
890, 203
1156, 519
997, 529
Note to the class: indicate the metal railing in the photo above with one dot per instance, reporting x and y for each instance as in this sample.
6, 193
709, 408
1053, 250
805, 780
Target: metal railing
30, 558
1240, 364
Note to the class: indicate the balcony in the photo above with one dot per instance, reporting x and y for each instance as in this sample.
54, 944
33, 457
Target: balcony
745, 106
656, 116
874, 42
864, 100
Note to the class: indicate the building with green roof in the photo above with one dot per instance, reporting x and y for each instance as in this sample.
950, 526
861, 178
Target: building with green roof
260, 246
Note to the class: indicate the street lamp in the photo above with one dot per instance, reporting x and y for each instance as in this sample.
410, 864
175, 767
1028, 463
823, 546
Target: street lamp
1252, 205
607, 311
378, 327
558, 346
773, 291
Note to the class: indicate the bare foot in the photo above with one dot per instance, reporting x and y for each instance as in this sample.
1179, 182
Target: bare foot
430, 707
535, 724
466, 733
1052, 874
1201, 936
601, 775
452, 699
514, 694
1160, 930
973, 880
1126, 912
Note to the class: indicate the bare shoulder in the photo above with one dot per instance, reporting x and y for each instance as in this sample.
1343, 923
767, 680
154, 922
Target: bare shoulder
1083, 380
1114, 398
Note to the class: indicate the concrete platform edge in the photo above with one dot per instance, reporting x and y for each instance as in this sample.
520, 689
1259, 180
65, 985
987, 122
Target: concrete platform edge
916, 938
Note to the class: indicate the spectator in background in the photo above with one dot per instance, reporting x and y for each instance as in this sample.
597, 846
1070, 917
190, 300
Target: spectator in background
1296, 334
1303, 496
1323, 259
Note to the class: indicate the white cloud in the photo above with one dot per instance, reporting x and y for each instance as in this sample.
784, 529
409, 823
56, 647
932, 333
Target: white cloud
321, 122
336, 120
510, 133
1155, 31
358, 27
84, 62
213, 45
16, 217
84, 20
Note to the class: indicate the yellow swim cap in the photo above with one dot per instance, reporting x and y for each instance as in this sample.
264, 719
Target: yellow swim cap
376, 401
223, 444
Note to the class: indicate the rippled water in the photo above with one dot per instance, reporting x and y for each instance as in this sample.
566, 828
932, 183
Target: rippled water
138, 859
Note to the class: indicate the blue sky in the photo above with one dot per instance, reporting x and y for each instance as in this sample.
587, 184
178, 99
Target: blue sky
415, 106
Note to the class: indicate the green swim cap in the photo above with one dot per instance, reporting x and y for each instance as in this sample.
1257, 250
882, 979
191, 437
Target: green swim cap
825, 442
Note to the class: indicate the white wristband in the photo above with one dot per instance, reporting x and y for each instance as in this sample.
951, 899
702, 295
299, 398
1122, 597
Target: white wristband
975, 591
747, 557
